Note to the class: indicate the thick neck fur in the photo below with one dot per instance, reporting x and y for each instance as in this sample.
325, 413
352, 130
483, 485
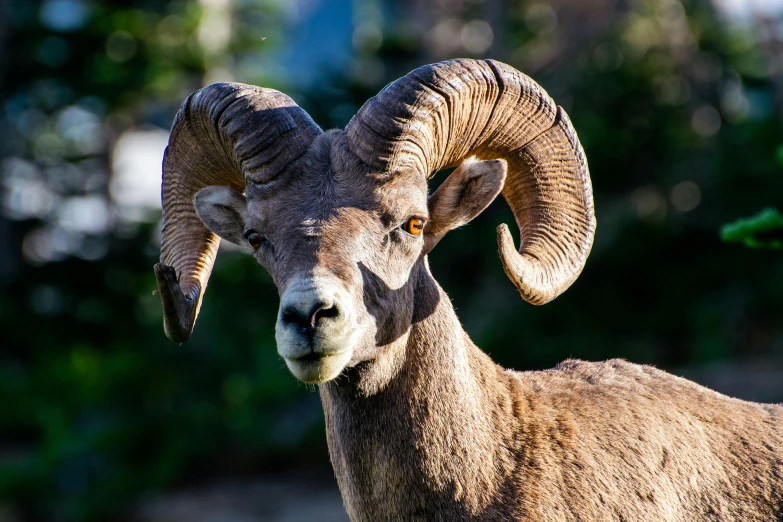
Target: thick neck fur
427, 440
433, 430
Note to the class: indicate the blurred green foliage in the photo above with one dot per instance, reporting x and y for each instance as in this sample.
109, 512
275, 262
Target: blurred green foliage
98, 407
679, 114
763, 230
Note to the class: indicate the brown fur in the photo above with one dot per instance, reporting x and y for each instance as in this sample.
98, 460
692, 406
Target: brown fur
455, 437
422, 425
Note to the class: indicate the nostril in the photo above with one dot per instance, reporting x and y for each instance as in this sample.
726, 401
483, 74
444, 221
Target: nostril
323, 312
309, 322
291, 315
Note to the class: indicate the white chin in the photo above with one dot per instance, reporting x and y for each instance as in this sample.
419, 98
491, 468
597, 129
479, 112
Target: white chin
315, 370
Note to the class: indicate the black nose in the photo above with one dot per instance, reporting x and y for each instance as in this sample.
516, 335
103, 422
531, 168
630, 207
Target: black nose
309, 320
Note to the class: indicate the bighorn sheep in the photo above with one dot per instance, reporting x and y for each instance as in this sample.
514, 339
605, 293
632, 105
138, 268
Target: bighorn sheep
421, 424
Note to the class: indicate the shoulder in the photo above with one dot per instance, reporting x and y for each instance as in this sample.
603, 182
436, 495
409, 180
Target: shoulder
615, 377
612, 370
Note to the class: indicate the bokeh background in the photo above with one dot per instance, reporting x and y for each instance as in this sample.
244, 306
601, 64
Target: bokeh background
679, 106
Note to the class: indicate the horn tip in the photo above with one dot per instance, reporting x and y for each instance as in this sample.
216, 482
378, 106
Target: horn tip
519, 268
179, 310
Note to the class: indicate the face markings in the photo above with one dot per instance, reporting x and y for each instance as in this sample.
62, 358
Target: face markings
363, 234
353, 217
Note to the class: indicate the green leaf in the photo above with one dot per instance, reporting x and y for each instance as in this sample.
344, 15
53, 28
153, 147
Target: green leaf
763, 230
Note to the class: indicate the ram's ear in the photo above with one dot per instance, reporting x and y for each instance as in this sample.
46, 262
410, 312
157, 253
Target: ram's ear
224, 211
463, 196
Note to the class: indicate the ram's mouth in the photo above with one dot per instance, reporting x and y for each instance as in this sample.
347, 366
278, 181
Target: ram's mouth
316, 368
310, 357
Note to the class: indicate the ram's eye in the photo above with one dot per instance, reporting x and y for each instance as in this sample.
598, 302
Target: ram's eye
414, 226
254, 239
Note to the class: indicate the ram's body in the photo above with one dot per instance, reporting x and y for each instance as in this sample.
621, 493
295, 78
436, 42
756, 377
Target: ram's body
456, 437
421, 424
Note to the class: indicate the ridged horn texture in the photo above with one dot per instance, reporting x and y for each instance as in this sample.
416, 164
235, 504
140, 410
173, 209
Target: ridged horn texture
222, 135
440, 114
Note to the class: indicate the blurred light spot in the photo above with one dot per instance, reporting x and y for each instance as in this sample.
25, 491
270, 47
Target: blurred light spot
367, 11
686, 196
94, 175
733, 8
707, 67
673, 24
26, 199
136, 174
214, 32
82, 130
64, 178
51, 93
733, 102
63, 15
367, 37
670, 11
446, 35
779, 154
88, 214
541, 18
75, 116
43, 245
648, 203
171, 31
369, 71
46, 300
86, 139
607, 57
36, 247
93, 248
218, 73
761, 104
29, 122
706, 121
17, 168
476, 36
49, 148
672, 90
449, 5
53, 51
745, 10
94, 105
120, 46
126, 229
754, 65
639, 35
537, 53
86, 361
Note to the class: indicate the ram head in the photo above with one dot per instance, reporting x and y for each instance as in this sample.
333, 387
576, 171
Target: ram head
342, 220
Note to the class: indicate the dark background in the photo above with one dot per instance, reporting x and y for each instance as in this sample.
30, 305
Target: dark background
679, 106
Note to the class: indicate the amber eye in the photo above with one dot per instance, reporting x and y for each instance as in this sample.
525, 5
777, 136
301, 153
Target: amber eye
254, 239
414, 226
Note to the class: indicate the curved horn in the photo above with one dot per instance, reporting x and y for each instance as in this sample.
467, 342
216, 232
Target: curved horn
222, 134
439, 114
